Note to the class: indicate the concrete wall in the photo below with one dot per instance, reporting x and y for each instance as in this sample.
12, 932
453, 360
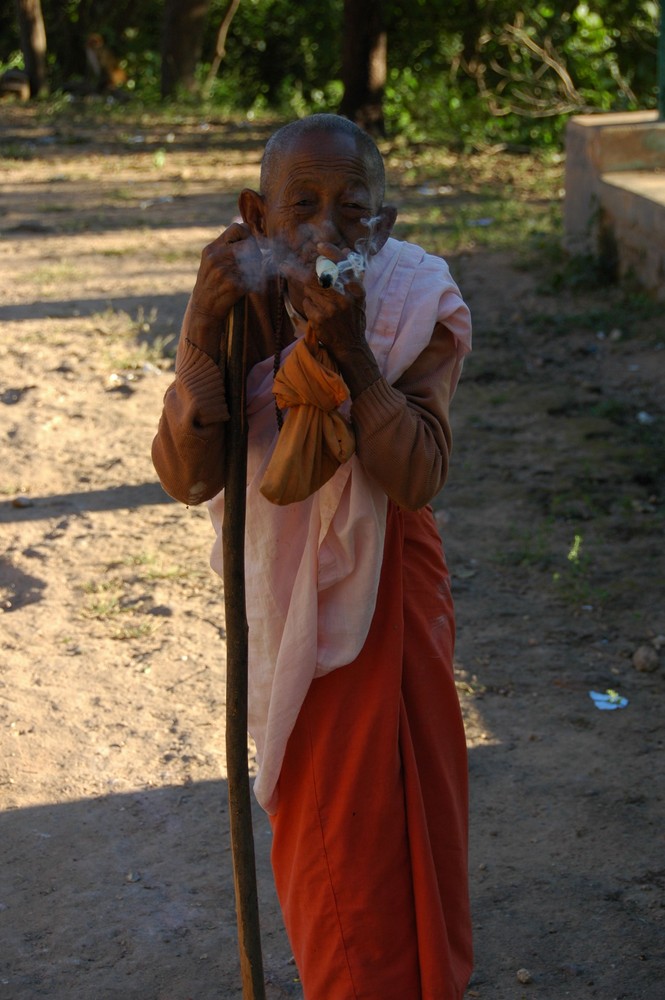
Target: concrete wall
615, 193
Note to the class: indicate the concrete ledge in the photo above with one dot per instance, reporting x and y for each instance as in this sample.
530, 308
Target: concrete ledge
615, 193
632, 223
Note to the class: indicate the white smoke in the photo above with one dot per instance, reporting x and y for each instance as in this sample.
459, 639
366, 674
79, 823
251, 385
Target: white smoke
329, 273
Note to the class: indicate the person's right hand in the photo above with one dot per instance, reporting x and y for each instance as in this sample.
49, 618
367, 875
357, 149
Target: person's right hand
230, 267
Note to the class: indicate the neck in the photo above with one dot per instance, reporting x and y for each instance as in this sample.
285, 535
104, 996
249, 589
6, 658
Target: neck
294, 292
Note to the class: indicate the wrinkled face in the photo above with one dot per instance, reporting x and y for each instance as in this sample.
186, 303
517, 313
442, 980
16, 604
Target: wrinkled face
321, 192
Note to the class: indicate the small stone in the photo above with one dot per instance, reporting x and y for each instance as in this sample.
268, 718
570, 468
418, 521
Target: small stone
22, 501
524, 976
121, 382
645, 659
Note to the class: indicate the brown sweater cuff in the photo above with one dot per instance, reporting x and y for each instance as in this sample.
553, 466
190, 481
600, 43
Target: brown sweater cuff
376, 407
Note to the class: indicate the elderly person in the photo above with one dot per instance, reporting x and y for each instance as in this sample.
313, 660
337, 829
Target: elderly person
352, 701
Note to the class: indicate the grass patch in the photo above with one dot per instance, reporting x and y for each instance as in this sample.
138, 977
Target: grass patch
574, 581
122, 194
140, 631
17, 151
151, 568
131, 342
51, 207
533, 548
123, 601
623, 317
452, 203
51, 274
104, 599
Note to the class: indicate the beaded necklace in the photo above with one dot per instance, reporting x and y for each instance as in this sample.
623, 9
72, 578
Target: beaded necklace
279, 324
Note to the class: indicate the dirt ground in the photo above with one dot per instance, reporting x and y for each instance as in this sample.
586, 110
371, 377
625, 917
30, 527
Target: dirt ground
115, 869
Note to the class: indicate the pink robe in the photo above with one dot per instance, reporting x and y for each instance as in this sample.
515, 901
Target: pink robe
312, 567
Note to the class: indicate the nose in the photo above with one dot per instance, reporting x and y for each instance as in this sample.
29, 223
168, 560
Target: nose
325, 227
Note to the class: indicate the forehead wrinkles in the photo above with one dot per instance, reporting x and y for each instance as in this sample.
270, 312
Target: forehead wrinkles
337, 171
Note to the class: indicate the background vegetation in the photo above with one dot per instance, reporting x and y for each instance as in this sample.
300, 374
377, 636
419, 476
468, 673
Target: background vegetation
471, 72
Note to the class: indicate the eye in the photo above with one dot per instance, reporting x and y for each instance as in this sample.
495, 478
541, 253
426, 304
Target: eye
355, 207
303, 205
354, 204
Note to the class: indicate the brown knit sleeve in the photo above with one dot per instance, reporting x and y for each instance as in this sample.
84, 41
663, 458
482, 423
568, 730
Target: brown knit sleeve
403, 431
188, 449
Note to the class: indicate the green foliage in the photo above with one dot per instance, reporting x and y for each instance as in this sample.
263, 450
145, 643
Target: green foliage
470, 73
280, 56
574, 581
495, 72
13, 60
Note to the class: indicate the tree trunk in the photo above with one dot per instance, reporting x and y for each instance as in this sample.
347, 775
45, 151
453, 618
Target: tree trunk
220, 45
33, 44
364, 64
184, 21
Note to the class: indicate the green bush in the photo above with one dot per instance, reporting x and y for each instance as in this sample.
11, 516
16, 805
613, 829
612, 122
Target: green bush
466, 72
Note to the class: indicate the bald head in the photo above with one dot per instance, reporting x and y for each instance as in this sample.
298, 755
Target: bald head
277, 148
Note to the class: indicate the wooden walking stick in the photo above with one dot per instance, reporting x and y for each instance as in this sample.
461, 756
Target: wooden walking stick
233, 541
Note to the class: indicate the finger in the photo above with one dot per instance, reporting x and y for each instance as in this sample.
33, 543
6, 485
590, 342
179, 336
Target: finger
330, 251
234, 244
235, 233
320, 306
353, 286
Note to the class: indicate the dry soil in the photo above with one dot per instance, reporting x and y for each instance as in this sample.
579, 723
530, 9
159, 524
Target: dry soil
115, 869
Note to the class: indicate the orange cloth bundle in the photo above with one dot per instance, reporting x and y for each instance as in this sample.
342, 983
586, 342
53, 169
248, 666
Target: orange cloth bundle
315, 439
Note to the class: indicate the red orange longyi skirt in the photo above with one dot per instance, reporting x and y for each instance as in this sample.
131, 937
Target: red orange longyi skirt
370, 837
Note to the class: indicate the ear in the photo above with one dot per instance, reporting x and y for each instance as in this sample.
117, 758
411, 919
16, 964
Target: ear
383, 221
253, 210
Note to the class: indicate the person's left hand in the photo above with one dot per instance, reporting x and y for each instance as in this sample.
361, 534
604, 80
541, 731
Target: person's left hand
336, 314
337, 318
